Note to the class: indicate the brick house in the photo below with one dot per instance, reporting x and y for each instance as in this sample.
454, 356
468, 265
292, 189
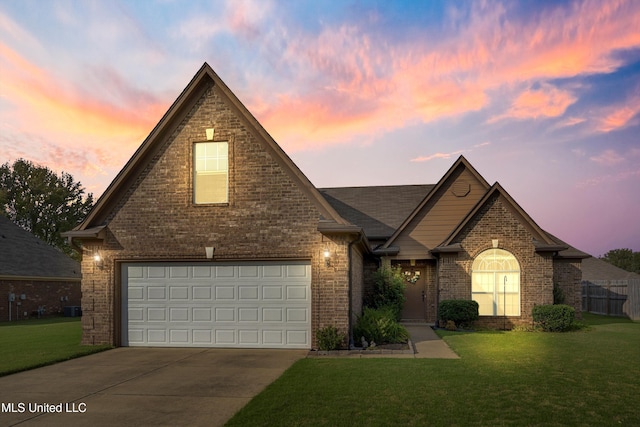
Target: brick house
36, 279
211, 236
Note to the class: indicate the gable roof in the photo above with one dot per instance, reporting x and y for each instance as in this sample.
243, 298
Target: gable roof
497, 189
379, 210
461, 162
204, 78
24, 256
543, 241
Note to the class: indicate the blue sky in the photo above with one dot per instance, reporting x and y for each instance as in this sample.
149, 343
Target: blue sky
541, 96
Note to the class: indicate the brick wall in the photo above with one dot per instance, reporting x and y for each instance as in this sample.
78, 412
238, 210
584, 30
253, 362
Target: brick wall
357, 284
52, 295
496, 220
567, 274
267, 217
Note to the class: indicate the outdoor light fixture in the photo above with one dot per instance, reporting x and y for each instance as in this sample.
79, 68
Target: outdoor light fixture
209, 251
97, 260
327, 257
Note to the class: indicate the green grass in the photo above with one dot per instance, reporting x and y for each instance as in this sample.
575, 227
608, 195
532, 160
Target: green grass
589, 377
33, 343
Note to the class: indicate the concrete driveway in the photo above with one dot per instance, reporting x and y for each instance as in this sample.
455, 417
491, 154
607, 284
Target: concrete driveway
142, 387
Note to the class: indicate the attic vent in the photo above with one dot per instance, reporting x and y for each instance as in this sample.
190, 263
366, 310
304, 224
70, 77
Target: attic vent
460, 188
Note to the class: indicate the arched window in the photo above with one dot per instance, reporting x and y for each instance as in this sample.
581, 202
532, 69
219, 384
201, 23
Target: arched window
495, 283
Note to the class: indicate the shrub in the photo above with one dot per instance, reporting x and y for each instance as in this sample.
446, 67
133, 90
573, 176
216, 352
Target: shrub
553, 318
461, 312
380, 325
388, 290
329, 338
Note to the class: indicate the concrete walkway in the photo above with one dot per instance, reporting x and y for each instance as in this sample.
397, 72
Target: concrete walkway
427, 344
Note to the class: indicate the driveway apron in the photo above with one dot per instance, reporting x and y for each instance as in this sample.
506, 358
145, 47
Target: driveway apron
142, 386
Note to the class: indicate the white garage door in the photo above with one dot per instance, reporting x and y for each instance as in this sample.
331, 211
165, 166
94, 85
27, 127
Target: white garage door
261, 305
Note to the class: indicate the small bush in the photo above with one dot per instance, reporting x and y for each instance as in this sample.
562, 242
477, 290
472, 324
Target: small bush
461, 312
388, 290
329, 338
380, 325
553, 318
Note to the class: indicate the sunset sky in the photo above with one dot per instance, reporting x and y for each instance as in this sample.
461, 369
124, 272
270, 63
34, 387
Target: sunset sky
543, 97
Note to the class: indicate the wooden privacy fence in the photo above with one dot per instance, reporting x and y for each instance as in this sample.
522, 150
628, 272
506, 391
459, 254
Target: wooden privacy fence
612, 297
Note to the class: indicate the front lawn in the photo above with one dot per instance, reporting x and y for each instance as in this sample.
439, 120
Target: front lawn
586, 378
32, 343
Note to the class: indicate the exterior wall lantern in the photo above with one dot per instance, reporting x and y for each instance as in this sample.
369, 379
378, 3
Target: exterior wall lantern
327, 257
98, 260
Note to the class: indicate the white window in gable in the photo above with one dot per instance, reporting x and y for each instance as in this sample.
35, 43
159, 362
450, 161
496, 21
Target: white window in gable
495, 283
211, 172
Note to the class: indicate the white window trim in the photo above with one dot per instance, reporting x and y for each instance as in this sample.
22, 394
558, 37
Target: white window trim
499, 286
205, 172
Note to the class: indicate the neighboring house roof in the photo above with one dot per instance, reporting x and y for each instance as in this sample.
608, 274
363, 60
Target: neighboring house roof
24, 256
204, 79
379, 210
597, 269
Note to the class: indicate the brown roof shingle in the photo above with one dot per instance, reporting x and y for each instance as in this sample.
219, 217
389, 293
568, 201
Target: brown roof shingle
24, 255
379, 210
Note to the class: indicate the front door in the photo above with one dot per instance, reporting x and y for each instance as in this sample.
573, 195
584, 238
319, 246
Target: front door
414, 308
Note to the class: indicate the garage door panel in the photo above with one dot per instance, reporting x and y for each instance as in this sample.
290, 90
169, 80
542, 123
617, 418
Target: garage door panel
202, 336
250, 271
156, 314
202, 314
181, 272
225, 336
179, 314
248, 314
202, 293
179, 293
248, 337
156, 292
272, 314
297, 315
225, 292
250, 306
136, 293
272, 293
297, 337
157, 272
296, 292
247, 293
273, 337
225, 314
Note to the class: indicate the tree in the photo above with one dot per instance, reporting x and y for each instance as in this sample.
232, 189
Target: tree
39, 201
623, 258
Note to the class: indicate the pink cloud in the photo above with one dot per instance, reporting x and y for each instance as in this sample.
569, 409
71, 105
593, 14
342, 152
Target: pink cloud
619, 116
608, 158
437, 156
449, 155
608, 178
45, 101
429, 79
548, 101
